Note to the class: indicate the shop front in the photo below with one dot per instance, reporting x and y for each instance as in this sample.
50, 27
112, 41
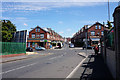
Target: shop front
39, 43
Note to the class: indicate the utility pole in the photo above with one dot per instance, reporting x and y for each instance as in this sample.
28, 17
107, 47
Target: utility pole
108, 11
86, 27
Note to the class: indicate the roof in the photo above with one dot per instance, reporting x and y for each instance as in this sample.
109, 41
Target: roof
40, 28
95, 24
46, 29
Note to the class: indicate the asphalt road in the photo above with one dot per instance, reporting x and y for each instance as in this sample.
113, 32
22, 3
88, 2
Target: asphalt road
58, 63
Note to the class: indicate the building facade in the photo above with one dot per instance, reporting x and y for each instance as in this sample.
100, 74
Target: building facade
42, 37
91, 33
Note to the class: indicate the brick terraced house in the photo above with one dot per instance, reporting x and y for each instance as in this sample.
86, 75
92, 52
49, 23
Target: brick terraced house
91, 33
42, 37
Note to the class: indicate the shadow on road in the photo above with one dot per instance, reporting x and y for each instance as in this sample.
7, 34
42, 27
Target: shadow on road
95, 69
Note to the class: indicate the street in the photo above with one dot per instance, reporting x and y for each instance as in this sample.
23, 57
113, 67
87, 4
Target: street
57, 63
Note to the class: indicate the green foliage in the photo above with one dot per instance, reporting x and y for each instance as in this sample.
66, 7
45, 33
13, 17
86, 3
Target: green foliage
7, 29
109, 24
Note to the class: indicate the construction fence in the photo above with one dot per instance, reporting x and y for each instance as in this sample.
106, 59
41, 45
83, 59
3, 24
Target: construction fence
12, 48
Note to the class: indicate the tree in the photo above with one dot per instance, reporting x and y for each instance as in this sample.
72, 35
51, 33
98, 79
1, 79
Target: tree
109, 24
8, 29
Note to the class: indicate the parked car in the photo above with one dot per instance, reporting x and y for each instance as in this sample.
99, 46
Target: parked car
71, 45
88, 47
29, 49
39, 48
57, 47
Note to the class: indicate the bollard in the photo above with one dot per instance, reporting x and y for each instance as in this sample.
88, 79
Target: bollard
116, 16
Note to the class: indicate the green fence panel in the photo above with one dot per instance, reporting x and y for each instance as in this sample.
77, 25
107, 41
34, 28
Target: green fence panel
13, 48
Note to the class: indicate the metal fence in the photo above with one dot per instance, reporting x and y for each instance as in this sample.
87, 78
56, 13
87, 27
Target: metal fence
13, 48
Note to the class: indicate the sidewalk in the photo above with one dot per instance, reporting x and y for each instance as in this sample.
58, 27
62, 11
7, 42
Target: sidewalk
15, 58
93, 68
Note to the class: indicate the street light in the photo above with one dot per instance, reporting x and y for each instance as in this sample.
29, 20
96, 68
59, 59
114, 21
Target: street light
86, 28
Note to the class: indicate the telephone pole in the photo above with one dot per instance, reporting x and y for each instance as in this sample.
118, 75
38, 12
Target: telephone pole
108, 11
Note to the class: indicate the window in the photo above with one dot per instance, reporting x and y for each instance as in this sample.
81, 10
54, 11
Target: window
96, 27
41, 35
98, 33
33, 35
38, 29
92, 33
102, 33
48, 36
99, 26
37, 36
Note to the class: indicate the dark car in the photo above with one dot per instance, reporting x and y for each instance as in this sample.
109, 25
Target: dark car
88, 47
29, 49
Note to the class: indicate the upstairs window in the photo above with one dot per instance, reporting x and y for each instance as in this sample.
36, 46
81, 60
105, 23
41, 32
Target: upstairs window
92, 33
96, 27
33, 35
99, 26
98, 33
102, 33
37, 36
41, 35
38, 29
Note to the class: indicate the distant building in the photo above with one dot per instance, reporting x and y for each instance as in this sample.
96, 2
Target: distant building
20, 36
42, 37
68, 40
91, 33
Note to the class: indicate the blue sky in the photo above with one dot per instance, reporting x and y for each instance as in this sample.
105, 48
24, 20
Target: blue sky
66, 18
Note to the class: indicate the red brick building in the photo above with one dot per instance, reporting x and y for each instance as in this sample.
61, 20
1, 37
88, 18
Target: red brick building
92, 33
95, 32
42, 37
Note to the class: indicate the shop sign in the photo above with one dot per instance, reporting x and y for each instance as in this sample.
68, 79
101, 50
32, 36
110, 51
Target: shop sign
49, 41
42, 40
45, 40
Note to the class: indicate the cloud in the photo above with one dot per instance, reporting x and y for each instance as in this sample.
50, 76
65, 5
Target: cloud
60, 0
60, 22
6, 18
25, 24
38, 6
68, 30
61, 32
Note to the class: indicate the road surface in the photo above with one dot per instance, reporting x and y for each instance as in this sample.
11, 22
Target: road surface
57, 63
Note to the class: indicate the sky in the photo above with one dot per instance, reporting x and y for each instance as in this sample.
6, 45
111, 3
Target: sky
66, 18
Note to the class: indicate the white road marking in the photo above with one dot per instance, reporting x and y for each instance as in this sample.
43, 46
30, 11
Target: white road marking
17, 68
75, 48
57, 56
75, 69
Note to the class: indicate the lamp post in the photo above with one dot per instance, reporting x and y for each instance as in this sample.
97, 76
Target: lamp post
86, 29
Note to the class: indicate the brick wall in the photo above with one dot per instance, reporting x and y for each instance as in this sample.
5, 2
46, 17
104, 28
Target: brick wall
38, 33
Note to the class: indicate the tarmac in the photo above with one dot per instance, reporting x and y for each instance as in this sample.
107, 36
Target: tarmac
93, 68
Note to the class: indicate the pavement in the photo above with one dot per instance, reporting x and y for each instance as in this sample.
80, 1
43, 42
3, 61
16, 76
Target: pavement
10, 59
93, 68
21, 57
